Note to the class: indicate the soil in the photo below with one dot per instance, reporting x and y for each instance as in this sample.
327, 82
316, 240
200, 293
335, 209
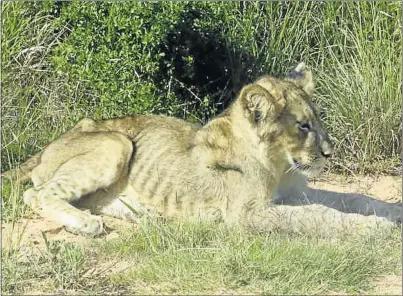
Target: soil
386, 188
388, 285
30, 231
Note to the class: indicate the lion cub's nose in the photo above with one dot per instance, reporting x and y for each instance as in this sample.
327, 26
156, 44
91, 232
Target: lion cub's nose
326, 154
326, 150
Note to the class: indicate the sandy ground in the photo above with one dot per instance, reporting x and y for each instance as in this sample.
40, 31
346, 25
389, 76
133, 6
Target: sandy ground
386, 188
388, 285
28, 232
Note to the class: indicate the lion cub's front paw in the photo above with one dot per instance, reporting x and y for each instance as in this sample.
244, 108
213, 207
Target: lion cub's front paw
30, 198
88, 225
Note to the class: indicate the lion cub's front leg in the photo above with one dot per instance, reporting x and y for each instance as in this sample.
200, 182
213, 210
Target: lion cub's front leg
73, 167
317, 220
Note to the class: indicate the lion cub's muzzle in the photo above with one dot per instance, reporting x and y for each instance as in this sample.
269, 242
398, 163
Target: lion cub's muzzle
313, 162
326, 149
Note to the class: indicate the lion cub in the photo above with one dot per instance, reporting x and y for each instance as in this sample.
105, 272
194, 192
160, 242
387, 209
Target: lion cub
227, 170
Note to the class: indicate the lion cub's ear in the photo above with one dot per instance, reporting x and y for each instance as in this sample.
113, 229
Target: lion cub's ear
302, 77
259, 103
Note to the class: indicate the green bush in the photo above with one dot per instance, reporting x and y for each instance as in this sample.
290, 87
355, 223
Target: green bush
142, 57
113, 49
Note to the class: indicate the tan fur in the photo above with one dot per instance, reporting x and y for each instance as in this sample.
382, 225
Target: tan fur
229, 170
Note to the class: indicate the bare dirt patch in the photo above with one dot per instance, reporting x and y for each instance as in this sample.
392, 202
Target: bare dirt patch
386, 188
388, 285
31, 232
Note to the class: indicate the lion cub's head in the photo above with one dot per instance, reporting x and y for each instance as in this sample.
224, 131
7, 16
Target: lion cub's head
281, 113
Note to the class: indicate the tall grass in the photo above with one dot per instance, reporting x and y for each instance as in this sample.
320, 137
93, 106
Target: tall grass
36, 100
363, 90
33, 104
355, 52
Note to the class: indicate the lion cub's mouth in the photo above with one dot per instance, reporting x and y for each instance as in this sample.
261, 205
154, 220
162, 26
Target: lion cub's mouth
307, 169
296, 163
300, 166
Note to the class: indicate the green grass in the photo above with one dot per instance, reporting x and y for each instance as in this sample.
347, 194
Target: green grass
13, 207
182, 258
178, 258
59, 266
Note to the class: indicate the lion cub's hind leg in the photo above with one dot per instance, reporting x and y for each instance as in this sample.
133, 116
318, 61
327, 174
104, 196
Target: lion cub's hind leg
87, 162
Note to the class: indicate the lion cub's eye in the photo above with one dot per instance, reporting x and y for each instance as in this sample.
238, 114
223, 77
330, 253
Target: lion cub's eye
304, 126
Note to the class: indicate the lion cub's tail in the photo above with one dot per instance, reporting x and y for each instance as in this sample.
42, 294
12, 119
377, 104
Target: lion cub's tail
22, 173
